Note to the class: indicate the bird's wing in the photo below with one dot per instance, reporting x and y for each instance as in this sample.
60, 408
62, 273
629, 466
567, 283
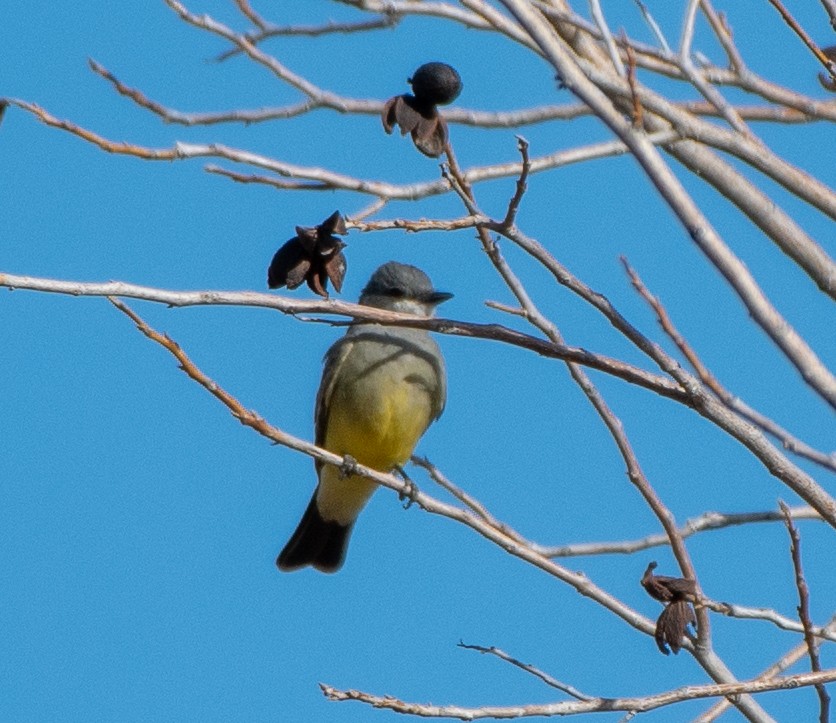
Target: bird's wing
334, 359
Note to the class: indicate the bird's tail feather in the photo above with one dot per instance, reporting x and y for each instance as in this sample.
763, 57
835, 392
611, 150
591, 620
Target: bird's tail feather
316, 542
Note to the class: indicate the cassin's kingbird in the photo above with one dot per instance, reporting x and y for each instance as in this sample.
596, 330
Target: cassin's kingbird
381, 388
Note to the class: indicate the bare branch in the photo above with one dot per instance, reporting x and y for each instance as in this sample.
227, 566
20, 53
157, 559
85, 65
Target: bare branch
652, 24
416, 226
724, 36
536, 672
782, 664
705, 522
694, 75
323, 178
401, 8
630, 705
704, 402
829, 65
609, 42
804, 612
638, 111
787, 440
514, 204
608, 417
251, 15
830, 9
279, 183
512, 543
462, 116
783, 622
761, 210
268, 30
170, 115
466, 499
494, 332
813, 371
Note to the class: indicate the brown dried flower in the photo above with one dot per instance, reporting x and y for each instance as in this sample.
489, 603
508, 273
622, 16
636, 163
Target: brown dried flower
827, 81
664, 588
672, 625
432, 84
314, 255
676, 592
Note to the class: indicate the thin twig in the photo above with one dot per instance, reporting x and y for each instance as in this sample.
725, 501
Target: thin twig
638, 111
493, 332
708, 91
268, 30
273, 181
787, 440
321, 177
611, 421
801, 111
706, 522
513, 543
746, 612
829, 65
783, 663
724, 36
414, 225
466, 499
804, 612
609, 42
522, 183
830, 9
536, 672
657, 31
251, 15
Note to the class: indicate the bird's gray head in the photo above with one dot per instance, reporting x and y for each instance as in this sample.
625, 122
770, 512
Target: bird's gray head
404, 288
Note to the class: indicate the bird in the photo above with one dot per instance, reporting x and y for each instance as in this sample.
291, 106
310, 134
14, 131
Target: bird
381, 388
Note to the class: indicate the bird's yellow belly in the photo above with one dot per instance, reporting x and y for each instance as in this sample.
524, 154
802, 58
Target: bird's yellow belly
380, 431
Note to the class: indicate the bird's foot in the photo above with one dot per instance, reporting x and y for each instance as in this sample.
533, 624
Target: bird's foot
348, 467
408, 494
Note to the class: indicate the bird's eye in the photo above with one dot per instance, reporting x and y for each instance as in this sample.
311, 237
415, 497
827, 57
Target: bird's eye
397, 292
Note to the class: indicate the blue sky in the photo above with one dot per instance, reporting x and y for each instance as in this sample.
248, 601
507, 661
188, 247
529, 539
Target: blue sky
139, 522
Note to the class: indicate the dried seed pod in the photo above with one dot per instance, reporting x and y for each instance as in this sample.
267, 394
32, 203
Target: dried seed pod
675, 592
672, 625
314, 255
664, 588
433, 84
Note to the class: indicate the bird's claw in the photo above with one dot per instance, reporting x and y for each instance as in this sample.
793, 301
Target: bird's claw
348, 467
408, 494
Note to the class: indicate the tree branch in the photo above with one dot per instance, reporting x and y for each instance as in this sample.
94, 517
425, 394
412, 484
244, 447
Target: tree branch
629, 705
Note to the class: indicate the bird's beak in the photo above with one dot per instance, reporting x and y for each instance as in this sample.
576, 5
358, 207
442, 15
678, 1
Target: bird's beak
438, 297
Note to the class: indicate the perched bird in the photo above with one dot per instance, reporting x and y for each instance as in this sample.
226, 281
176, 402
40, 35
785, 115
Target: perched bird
675, 592
381, 388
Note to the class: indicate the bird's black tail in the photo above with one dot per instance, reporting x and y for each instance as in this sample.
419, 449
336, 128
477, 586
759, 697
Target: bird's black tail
316, 542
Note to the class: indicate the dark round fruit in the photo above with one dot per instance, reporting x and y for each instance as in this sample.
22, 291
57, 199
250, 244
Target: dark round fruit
436, 83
